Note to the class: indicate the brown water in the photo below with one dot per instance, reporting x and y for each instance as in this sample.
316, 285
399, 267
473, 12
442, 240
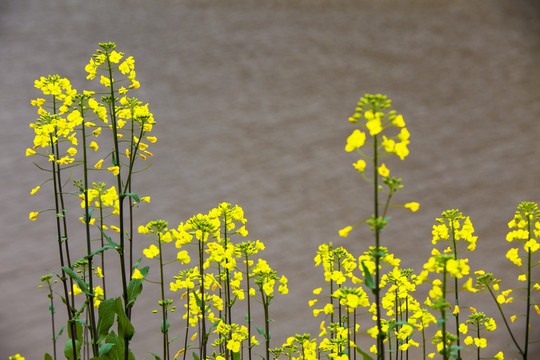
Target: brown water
252, 99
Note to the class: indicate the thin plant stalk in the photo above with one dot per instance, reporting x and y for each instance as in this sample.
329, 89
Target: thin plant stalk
63, 278
95, 349
164, 328
380, 335
456, 288
248, 305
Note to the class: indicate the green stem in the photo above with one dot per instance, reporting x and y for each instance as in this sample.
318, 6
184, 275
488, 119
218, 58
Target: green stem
70, 311
93, 328
266, 304
52, 319
187, 326
203, 306
248, 305
478, 347
163, 305
443, 314
527, 324
505, 321
456, 289
380, 335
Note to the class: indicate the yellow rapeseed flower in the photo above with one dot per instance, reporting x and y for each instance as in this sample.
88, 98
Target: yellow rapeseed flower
383, 170
345, 231
33, 215
413, 206
137, 274
114, 169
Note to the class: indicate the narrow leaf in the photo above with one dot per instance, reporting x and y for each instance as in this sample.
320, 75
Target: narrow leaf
133, 196
82, 284
365, 356
368, 279
260, 331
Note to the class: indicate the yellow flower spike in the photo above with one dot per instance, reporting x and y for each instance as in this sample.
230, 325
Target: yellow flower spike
383, 170
35, 190
345, 231
99, 272
33, 215
413, 206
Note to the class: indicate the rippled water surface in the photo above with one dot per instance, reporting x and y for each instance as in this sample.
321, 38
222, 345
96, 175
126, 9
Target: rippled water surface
251, 100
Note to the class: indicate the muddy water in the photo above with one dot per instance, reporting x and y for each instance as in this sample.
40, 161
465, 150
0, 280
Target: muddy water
251, 100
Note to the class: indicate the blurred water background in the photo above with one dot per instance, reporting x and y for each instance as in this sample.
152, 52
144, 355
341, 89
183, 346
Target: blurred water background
251, 100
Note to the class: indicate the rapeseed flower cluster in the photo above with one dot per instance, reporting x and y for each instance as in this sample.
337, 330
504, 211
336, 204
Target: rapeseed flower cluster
222, 274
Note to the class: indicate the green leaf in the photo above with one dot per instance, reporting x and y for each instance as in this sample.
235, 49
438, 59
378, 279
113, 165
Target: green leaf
106, 247
247, 318
136, 265
59, 333
105, 348
165, 328
106, 313
173, 339
47, 357
82, 284
135, 287
260, 331
68, 349
365, 356
125, 328
441, 321
368, 279
133, 196
236, 356
156, 356
109, 240
195, 356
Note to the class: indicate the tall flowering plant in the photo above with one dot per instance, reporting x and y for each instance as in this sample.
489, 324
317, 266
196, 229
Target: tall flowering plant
66, 131
222, 279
